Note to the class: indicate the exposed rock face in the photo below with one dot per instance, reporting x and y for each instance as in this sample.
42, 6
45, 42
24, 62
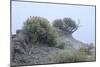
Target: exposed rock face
69, 40
21, 54
38, 55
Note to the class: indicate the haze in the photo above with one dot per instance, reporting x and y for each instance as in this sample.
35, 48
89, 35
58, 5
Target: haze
86, 14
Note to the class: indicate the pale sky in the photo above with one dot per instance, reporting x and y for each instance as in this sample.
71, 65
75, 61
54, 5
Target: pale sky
86, 32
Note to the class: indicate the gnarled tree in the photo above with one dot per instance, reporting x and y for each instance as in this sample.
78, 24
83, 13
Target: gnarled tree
67, 24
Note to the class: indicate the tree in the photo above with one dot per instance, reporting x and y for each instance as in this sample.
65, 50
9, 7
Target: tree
67, 24
58, 23
38, 30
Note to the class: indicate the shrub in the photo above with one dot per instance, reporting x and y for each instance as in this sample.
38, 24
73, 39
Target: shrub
66, 24
58, 23
69, 56
87, 49
38, 30
61, 45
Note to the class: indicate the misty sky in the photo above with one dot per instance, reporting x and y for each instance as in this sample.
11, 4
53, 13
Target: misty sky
86, 32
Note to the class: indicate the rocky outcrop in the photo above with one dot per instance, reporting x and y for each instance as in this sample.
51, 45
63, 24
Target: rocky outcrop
69, 40
22, 54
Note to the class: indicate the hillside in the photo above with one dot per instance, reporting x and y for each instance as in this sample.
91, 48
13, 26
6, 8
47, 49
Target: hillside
39, 42
39, 54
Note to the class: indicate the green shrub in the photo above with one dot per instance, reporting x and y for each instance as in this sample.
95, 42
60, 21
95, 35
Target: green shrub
38, 30
58, 23
61, 45
66, 24
70, 56
87, 49
84, 49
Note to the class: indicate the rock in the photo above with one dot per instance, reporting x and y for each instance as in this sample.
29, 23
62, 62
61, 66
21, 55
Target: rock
38, 53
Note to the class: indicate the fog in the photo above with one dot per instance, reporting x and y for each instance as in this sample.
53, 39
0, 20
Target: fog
86, 14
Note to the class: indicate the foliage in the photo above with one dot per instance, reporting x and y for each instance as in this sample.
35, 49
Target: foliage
66, 24
87, 49
85, 53
66, 56
58, 23
61, 45
38, 30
